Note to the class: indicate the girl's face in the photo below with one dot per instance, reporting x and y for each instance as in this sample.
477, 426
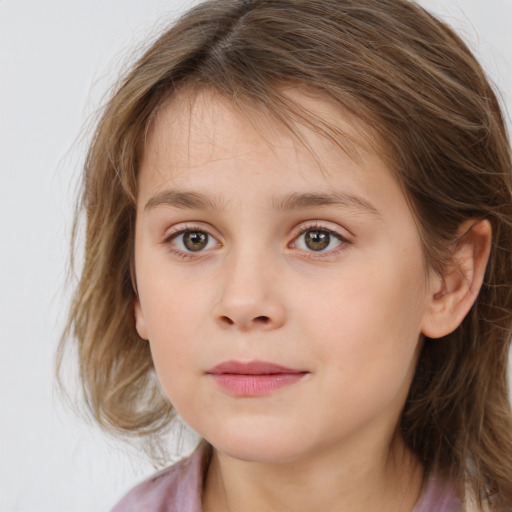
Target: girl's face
283, 292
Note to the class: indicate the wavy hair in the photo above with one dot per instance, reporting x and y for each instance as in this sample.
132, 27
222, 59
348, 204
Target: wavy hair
414, 81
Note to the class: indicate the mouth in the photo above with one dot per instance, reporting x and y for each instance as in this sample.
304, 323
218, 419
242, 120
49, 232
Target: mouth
254, 378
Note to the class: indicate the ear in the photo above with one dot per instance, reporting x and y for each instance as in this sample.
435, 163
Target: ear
140, 321
454, 293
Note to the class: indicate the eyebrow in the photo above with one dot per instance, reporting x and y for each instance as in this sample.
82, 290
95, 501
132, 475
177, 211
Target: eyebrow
295, 201
185, 200
310, 200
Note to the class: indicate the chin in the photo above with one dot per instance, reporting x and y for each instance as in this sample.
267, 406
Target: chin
259, 452
257, 441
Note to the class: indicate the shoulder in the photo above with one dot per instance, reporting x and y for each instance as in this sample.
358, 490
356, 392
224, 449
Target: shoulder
175, 488
438, 496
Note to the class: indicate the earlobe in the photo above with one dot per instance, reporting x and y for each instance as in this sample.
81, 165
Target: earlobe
140, 322
456, 291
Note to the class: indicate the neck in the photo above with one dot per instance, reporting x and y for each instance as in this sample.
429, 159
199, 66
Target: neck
355, 479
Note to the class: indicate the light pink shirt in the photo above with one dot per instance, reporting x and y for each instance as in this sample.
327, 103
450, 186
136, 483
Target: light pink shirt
178, 489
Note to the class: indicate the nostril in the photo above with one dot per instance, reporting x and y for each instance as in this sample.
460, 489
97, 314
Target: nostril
227, 320
244, 322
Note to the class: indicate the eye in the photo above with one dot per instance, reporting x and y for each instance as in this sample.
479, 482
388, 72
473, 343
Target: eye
192, 240
318, 240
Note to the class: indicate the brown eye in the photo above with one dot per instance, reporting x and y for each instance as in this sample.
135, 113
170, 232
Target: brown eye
195, 240
317, 240
188, 241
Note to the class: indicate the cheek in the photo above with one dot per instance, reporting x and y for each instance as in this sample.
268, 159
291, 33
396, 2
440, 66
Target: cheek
172, 312
368, 324
176, 355
172, 300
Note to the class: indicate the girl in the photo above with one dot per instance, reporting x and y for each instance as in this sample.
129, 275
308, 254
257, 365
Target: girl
299, 218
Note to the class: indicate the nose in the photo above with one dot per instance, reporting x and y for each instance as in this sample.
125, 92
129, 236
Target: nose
250, 296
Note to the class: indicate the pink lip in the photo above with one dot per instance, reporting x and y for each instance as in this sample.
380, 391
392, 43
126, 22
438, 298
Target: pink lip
255, 378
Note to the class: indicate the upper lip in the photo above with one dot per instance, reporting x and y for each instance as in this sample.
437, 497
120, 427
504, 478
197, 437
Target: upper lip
251, 368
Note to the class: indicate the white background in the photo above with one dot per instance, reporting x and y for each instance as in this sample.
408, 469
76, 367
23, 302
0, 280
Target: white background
58, 59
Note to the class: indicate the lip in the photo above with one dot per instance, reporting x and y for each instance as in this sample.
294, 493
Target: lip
254, 378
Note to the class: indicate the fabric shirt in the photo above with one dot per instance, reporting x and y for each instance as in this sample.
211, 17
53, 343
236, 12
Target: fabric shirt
178, 489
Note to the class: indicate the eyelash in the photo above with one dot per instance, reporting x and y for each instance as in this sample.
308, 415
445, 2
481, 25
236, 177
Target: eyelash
344, 242
168, 241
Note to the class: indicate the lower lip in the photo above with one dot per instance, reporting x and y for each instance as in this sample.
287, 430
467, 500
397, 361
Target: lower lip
255, 385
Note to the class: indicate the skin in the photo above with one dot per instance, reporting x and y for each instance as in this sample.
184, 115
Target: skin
351, 316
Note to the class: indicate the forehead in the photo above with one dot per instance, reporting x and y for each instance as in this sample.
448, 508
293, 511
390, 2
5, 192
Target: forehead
200, 126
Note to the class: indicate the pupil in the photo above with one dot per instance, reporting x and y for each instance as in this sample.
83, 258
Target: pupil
317, 240
195, 240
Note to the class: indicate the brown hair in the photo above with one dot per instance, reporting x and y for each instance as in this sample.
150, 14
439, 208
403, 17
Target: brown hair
411, 78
